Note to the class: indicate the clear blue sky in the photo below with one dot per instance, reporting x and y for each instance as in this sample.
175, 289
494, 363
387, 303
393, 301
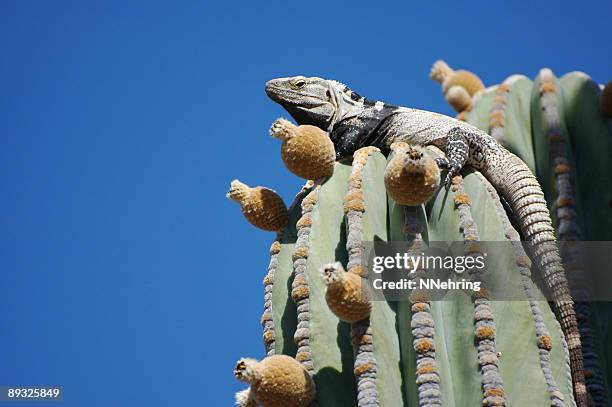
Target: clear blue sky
127, 277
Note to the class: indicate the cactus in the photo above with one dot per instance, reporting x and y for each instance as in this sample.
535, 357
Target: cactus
466, 350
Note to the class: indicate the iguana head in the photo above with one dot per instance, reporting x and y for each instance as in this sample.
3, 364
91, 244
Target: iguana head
315, 101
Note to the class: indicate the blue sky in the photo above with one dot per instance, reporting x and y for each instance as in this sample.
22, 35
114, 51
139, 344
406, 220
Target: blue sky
127, 277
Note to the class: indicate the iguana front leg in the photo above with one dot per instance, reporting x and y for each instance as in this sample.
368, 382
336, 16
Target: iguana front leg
457, 152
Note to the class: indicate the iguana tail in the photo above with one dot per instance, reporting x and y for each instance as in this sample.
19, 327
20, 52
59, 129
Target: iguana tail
524, 195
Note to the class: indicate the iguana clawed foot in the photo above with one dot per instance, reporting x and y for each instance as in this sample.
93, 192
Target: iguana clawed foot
451, 168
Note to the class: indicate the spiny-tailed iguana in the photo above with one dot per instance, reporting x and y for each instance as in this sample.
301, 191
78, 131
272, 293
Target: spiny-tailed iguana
354, 122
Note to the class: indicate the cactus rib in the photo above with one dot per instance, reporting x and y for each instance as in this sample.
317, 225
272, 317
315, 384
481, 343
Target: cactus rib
365, 367
267, 321
497, 113
583, 123
567, 228
300, 292
492, 383
422, 322
524, 264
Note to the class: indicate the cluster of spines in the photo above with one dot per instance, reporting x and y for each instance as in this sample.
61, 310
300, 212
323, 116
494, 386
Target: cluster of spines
422, 322
567, 230
300, 291
497, 113
565, 203
492, 384
365, 367
543, 338
267, 321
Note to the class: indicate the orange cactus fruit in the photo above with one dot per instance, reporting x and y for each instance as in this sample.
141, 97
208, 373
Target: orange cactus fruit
444, 74
606, 100
261, 206
348, 295
276, 381
307, 151
411, 177
440, 71
459, 98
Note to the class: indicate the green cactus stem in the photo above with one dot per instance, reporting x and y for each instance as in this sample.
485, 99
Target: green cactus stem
590, 136
567, 226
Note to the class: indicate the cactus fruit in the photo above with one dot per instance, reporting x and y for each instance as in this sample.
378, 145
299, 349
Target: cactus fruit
262, 207
459, 87
412, 176
276, 381
459, 98
606, 100
245, 398
307, 151
347, 295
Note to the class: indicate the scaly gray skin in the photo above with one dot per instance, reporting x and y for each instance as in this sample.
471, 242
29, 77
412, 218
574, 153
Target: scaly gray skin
354, 122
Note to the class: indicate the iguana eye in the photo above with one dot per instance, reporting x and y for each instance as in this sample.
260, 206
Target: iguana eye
299, 83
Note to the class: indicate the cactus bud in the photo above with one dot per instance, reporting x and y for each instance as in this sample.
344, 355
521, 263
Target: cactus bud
262, 207
466, 79
458, 98
307, 151
348, 296
244, 398
440, 71
606, 100
411, 177
452, 83
276, 381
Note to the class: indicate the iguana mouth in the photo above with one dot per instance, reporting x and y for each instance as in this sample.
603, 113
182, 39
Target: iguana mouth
273, 91
282, 95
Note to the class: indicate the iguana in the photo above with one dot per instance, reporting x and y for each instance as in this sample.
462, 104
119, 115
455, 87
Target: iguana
353, 121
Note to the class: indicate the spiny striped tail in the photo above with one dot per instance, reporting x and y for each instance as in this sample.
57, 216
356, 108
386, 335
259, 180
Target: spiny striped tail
523, 193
